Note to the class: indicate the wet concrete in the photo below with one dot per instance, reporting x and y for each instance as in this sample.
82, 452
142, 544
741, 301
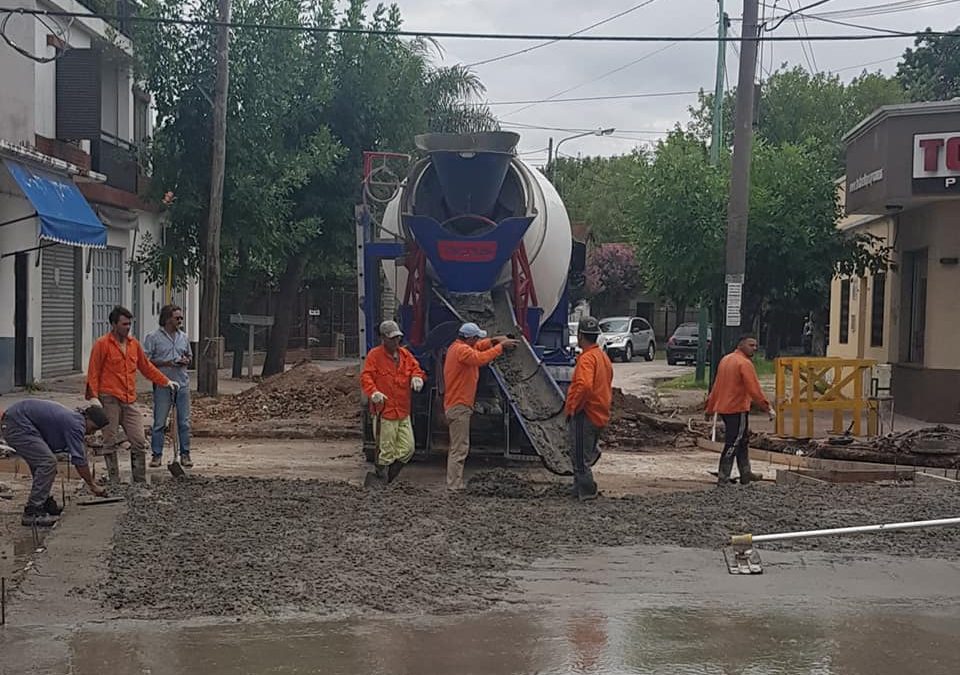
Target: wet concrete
631, 610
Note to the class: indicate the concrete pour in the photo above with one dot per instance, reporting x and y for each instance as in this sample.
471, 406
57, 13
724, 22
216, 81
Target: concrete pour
242, 546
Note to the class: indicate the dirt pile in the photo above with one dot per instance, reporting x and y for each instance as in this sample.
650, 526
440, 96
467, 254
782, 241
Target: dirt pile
233, 546
306, 391
631, 428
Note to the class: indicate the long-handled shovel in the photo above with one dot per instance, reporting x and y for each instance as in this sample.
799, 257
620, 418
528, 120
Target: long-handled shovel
174, 467
373, 477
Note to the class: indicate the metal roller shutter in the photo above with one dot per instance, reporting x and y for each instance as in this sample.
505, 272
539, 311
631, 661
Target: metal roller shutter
107, 287
60, 311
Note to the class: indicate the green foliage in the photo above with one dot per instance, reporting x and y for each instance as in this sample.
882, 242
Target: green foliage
302, 109
799, 107
931, 70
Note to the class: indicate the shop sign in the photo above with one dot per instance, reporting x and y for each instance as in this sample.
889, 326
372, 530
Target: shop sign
936, 163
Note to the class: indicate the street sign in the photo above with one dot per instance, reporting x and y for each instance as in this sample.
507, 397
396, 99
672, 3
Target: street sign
313, 312
734, 301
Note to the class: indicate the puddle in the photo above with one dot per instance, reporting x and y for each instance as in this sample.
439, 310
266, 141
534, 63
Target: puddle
872, 642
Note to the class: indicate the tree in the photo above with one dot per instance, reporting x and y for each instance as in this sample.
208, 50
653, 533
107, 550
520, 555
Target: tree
931, 70
612, 275
678, 217
796, 106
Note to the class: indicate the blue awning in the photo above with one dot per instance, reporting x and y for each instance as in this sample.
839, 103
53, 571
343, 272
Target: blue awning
64, 214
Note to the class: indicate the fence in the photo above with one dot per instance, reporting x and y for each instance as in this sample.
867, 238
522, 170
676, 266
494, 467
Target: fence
807, 385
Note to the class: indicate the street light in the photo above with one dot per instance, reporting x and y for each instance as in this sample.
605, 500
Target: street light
556, 150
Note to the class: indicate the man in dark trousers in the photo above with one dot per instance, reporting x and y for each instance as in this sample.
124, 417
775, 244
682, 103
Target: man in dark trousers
735, 389
588, 406
36, 429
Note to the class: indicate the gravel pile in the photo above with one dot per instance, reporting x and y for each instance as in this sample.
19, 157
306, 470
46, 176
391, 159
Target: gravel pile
233, 546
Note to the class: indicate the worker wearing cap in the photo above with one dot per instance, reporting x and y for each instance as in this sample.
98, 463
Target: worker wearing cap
588, 406
461, 373
36, 429
389, 373
735, 388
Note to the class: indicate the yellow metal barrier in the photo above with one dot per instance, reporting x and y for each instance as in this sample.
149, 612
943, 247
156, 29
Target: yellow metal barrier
806, 385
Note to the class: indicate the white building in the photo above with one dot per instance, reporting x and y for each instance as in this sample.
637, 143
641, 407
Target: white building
71, 213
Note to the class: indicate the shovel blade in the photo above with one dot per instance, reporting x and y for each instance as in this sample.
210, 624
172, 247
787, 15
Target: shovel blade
176, 470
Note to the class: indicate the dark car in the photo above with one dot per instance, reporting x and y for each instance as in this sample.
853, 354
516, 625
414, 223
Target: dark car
682, 345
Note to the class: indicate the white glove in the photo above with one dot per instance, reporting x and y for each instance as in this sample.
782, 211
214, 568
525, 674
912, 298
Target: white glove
416, 383
96, 402
377, 398
174, 386
772, 413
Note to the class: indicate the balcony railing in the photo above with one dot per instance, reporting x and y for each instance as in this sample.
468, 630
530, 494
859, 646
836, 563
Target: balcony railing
117, 159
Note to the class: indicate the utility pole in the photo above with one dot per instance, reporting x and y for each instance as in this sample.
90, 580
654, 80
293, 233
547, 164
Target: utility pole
207, 380
715, 141
550, 158
738, 205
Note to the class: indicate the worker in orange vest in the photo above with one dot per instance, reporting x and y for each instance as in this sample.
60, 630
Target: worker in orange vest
588, 406
389, 373
461, 373
734, 390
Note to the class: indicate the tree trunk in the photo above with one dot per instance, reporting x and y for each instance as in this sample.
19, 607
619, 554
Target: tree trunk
680, 307
276, 358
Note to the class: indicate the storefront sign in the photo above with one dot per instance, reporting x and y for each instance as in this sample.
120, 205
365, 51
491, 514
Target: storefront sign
866, 180
936, 163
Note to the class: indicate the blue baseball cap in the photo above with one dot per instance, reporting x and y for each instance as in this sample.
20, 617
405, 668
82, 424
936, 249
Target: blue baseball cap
472, 330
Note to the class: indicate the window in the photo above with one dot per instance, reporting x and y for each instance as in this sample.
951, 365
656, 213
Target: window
141, 112
844, 311
915, 304
644, 326
877, 307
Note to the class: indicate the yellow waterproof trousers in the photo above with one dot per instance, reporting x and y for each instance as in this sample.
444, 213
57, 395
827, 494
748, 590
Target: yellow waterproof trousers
396, 441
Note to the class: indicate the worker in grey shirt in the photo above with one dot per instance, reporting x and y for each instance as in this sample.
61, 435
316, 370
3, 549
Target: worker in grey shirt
169, 350
35, 429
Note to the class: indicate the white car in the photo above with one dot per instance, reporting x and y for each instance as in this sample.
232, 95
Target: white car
626, 336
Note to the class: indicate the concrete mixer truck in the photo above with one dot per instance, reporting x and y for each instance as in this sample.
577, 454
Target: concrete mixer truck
472, 233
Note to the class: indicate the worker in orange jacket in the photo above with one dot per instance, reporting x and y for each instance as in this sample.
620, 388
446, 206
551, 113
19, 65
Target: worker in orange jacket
734, 390
588, 406
389, 373
461, 373
112, 382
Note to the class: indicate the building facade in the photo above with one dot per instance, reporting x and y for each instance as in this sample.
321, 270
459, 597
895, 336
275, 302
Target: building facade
72, 215
903, 186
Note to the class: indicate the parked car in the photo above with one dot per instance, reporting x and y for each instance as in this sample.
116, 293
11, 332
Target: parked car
682, 345
625, 336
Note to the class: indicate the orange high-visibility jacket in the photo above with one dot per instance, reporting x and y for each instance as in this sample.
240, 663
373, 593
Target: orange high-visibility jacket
391, 377
736, 386
113, 372
591, 389
461, 371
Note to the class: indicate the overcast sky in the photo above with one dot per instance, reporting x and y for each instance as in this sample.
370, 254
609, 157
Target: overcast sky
685, 67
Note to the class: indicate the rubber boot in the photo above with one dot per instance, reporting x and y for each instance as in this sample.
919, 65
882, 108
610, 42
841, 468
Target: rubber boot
393, 471
138, 467
51, 508
743, 467
586, 488
376, 477
34, 517
723, 472
113, 467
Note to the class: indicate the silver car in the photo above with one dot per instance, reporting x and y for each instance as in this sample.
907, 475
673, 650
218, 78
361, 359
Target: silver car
626, 336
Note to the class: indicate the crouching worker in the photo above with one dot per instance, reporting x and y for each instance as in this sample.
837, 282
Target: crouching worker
35, 429
588, 406
389, 373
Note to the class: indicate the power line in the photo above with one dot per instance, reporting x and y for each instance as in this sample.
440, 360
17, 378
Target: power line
808, 57
608, 73
545, 44
519, 125
593, 98
792, 12
869, 63
673, 39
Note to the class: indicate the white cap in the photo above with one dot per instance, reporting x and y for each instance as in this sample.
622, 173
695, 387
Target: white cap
390, 329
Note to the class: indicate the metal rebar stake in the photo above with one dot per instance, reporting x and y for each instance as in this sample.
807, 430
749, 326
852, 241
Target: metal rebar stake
3, 601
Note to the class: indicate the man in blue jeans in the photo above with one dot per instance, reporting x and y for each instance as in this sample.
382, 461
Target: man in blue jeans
169, 350
36, 429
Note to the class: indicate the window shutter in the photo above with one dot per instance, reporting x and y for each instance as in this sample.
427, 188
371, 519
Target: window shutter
78, 95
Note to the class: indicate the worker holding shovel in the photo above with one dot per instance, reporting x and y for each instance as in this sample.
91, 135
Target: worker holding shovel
735, 389
389, 373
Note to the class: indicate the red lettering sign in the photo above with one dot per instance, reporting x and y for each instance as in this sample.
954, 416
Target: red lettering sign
467, 251
953, 154
931, 153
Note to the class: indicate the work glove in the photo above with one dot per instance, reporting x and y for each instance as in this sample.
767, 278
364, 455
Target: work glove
96, 402
416, 383
174, 387
377, 398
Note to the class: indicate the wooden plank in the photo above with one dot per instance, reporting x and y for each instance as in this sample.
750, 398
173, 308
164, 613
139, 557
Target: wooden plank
798, 461
923, 479
787, 477
859, 475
